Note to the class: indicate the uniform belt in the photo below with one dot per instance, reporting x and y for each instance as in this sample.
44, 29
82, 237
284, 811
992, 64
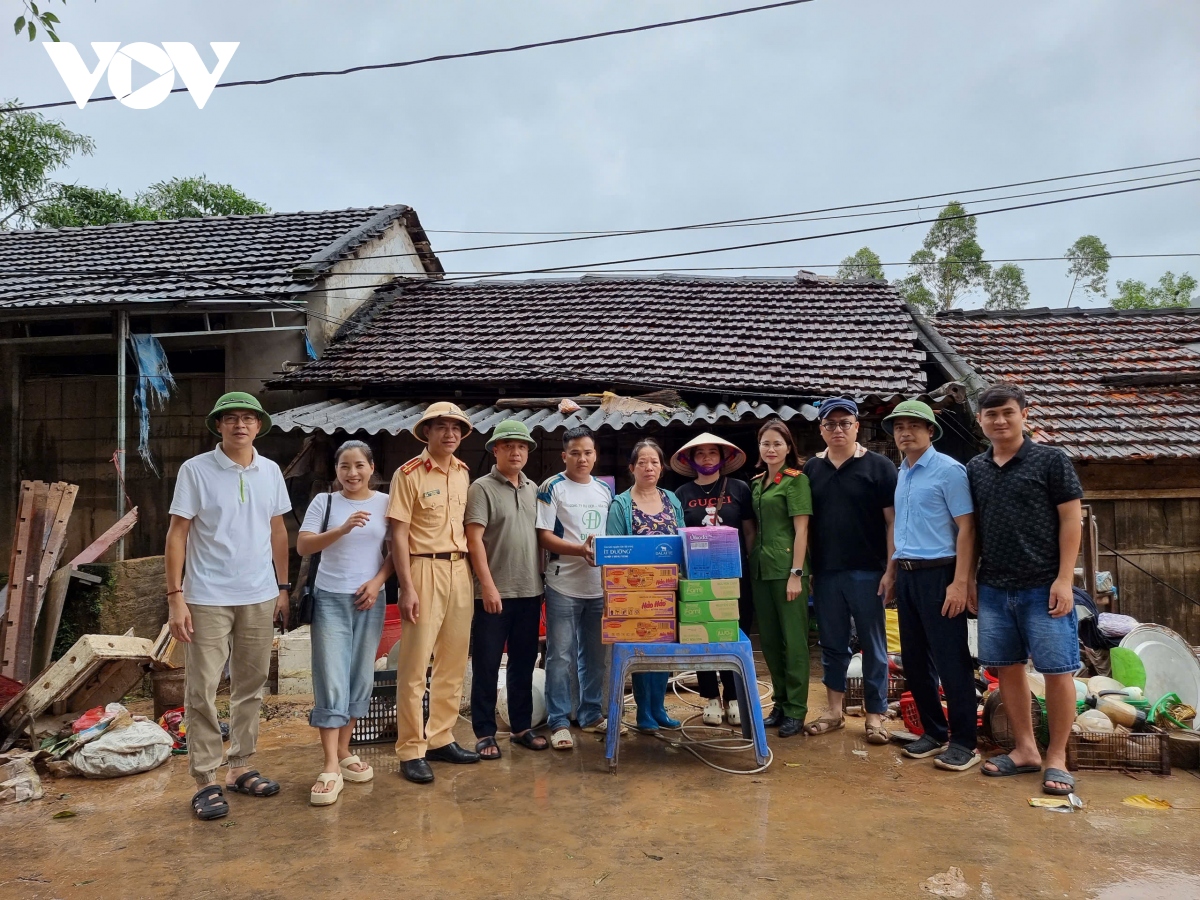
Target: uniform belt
453, 556
909, 565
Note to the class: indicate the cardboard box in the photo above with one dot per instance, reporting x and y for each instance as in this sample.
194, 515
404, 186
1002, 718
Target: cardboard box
709, 588
640, 578
639, 604
708, 632
637, 631
649, 549
709, 611
710, 552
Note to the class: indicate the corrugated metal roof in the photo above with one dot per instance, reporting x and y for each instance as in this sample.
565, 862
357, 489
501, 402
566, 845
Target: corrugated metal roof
395, 416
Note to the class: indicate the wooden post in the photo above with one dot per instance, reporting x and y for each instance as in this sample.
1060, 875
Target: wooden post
122, 340
1088, 551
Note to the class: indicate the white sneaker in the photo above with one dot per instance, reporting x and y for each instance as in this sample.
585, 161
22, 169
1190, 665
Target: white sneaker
712, 712
732, 713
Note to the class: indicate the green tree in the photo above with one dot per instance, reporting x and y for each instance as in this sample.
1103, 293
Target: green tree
1006, 288
32, 149
75, 205
1089, 266
29, 19
179, 198
1169, 292
861, 266
949, 264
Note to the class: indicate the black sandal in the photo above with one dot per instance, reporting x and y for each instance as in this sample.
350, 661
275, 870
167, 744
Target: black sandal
530, 741
210, 803
487, 743
249, 782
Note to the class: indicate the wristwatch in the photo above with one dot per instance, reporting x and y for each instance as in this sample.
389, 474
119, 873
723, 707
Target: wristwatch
285, 587
799, 573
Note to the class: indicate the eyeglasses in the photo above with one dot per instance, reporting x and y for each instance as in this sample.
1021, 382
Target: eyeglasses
772, 445
840, 425
235, 419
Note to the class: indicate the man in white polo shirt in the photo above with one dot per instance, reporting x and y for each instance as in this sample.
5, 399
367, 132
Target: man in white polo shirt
227, 525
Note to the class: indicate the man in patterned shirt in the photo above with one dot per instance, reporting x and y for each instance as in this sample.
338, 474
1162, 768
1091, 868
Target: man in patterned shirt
1027, 507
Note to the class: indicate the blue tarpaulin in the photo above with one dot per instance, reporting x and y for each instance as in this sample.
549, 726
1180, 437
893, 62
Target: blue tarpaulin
154, 386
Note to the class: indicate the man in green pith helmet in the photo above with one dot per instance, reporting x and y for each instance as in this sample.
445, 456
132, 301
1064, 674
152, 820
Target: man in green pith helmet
227, 525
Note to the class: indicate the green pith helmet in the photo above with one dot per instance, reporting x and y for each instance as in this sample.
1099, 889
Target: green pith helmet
510, 430
237, 400
914, 409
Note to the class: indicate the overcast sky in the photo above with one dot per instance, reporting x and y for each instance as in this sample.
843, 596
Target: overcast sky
825, 104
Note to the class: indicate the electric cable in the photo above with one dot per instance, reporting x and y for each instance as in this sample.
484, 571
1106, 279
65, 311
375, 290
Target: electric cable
444, 57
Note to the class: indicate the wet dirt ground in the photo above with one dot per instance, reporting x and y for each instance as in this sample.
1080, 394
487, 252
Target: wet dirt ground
821, 821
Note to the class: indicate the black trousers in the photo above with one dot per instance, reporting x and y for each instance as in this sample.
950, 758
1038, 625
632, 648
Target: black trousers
517, 626
708, 680
932, 647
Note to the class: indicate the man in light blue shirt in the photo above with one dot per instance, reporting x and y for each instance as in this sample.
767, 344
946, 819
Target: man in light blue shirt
935, 547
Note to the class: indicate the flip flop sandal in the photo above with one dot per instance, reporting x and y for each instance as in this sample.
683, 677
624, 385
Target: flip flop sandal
1062, 778
878, 735
487, 743
1006, 767
210, 803
328, 797
355, 777
562, 740
249, 782
530, 741
824, 725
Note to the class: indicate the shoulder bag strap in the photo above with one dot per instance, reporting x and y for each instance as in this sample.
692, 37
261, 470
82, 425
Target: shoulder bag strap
314, 563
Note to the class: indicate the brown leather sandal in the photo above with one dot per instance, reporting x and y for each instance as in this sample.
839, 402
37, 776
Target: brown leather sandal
878, 735
825, 724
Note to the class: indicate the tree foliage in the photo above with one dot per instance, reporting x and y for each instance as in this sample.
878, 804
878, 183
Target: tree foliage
862, 265
29, 20
1169, 292
1006, 288
179, 198
32, 149
949, 264
1089, 265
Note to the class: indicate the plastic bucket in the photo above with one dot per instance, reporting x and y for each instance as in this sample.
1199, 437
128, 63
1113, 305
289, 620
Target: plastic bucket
167, 688
391, 630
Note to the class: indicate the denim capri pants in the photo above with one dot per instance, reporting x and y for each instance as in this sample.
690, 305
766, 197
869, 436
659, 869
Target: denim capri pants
344, 641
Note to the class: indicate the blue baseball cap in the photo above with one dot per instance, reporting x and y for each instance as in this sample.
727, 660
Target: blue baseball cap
845, 404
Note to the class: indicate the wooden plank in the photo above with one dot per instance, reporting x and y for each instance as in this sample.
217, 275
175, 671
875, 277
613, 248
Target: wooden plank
111, 681
57, 537
50, 618
16, 580
1146, 494
96, 548
1087, 550
23, 661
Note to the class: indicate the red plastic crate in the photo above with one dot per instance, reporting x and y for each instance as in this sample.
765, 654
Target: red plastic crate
912, 718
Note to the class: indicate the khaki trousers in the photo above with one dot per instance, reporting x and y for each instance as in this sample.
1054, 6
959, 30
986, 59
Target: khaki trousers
242, 635
443, 629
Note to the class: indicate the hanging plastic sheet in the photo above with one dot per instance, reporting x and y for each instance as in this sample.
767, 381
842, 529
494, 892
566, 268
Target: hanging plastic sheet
154, 386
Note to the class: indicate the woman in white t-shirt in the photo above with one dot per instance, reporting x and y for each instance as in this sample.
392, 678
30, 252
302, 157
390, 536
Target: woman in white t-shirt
348, 610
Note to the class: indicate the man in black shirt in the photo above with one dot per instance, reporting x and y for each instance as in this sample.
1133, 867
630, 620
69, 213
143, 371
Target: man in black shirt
713, 498
1027, 504
851, 541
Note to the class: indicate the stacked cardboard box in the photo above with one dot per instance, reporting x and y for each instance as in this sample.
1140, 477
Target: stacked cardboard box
708, 596
640, 577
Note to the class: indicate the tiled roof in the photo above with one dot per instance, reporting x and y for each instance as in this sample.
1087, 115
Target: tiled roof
139, 261
1103, 384
803, 336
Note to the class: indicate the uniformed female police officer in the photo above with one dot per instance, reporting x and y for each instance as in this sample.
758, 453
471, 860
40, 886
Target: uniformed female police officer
782, 504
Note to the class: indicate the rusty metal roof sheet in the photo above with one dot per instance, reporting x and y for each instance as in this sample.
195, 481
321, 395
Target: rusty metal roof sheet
1067, 360
774, 337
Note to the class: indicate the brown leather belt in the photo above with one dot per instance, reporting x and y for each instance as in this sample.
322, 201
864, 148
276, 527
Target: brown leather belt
909, 565
453, 556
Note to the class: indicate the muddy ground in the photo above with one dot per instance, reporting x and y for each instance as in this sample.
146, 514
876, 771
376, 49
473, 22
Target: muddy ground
822, 821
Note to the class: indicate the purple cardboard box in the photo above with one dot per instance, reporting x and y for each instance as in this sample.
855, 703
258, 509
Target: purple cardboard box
711, 552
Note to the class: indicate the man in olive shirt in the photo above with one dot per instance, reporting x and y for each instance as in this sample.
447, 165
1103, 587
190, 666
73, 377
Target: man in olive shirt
429, 546
502, 539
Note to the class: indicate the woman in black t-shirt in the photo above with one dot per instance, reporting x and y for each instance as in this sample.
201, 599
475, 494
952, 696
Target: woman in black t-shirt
713, 498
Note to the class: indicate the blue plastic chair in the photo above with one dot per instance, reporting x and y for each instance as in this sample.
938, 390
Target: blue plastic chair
737, 656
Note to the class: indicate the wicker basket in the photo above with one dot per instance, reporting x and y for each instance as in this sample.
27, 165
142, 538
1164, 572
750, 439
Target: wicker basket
1143, 752
854, 690
379, 724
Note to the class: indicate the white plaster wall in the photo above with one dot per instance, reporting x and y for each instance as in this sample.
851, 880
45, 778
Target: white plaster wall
352, 280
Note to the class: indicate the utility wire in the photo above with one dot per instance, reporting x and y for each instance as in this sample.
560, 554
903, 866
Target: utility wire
444, 57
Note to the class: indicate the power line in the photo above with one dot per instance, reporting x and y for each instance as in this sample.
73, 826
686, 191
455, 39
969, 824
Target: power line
444, 57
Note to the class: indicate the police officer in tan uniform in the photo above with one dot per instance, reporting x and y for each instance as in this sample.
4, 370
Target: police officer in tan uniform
429, 546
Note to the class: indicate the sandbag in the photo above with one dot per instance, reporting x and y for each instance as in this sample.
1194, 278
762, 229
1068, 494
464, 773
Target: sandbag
139, 747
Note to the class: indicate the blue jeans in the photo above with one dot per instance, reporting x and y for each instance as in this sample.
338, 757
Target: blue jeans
574, 653
838, 596
344, 641
1016, 625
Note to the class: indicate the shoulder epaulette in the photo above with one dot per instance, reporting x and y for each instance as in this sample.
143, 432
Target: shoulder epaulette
792, 472
758, 476
411, 466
